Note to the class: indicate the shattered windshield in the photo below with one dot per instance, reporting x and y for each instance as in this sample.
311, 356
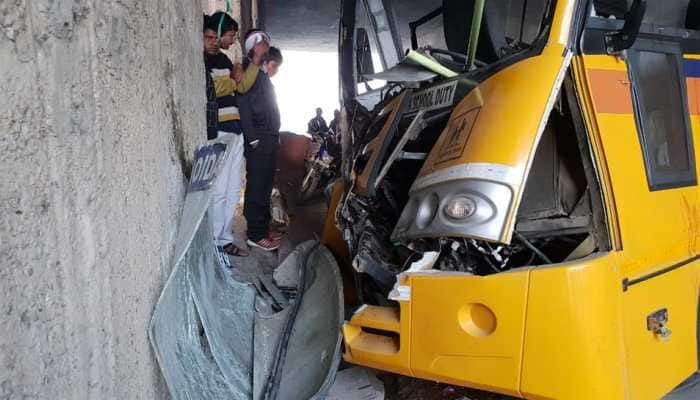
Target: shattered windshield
442, 30
507, 26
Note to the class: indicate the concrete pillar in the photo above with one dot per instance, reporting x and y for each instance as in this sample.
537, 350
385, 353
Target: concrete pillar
101, 106
255, 14
248, 15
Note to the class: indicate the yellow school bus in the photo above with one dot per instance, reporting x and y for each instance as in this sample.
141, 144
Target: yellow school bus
520, 209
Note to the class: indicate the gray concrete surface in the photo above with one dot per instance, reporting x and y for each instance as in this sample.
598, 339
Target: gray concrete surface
100, 105
306, 219
309, 25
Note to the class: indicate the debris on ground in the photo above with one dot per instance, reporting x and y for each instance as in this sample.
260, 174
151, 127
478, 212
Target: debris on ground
278, 210
224, 327
356, 383
405, 388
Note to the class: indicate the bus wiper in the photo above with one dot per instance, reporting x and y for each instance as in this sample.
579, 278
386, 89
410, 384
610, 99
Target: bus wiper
429, 64
474, 32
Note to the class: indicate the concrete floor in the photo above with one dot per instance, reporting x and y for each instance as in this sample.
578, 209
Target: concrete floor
306, 224
306, 220
404, 388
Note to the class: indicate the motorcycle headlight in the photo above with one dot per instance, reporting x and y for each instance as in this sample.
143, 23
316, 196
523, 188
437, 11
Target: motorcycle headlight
459, 208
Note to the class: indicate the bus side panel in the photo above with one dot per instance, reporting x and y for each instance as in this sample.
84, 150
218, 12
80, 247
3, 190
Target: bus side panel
573, 347
658, 364
656, 232
467, 330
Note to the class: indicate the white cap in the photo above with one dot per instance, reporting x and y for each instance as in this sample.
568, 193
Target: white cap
255, 38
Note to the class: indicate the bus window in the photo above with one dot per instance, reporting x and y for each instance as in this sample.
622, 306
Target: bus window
610, 8
667, 13
692, 18
661, 111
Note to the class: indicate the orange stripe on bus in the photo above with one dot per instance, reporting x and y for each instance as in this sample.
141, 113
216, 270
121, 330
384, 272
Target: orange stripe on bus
693, 95
611, 91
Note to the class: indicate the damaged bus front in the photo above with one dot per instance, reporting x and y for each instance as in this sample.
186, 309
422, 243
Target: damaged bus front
491, 179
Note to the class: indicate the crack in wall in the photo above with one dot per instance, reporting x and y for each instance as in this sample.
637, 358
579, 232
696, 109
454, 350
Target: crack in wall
95, 145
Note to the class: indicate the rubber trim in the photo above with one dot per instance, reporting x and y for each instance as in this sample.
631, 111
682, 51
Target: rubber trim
626, 283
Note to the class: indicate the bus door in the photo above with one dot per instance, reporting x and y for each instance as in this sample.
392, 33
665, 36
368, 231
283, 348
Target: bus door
638, 78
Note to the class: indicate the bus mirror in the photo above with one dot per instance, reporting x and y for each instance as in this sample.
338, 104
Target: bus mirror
617, 41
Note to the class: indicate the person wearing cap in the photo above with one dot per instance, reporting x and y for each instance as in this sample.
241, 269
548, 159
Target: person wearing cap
220, 32
260, 119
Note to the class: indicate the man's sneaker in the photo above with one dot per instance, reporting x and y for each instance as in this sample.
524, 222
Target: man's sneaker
266, 244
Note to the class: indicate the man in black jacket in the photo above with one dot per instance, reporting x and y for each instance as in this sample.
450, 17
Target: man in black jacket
317, 124
260, 119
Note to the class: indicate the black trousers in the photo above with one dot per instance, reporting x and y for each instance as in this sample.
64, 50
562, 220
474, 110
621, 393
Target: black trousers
261, 165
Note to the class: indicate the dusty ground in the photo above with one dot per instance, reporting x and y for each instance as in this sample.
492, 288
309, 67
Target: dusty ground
306, 219
404, 388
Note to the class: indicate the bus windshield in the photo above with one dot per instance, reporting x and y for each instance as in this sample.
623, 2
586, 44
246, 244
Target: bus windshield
442, 29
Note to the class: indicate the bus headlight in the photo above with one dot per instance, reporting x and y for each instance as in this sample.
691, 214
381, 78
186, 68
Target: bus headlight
427, 210
459, 208
470, 208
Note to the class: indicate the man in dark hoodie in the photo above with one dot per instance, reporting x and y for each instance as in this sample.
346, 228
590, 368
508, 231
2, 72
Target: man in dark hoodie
260, 119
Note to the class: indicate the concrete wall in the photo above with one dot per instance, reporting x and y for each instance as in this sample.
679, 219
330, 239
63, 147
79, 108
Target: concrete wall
308, 25
100, 103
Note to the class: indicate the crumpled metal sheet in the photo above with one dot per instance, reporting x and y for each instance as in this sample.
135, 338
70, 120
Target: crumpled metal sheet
269, 326
202, 326
268, 330
297, 350
313, 349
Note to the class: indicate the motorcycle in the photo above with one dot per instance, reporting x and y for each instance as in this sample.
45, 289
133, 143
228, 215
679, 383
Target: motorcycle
321, 165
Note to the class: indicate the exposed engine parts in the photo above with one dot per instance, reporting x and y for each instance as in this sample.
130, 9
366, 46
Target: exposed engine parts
390, 230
